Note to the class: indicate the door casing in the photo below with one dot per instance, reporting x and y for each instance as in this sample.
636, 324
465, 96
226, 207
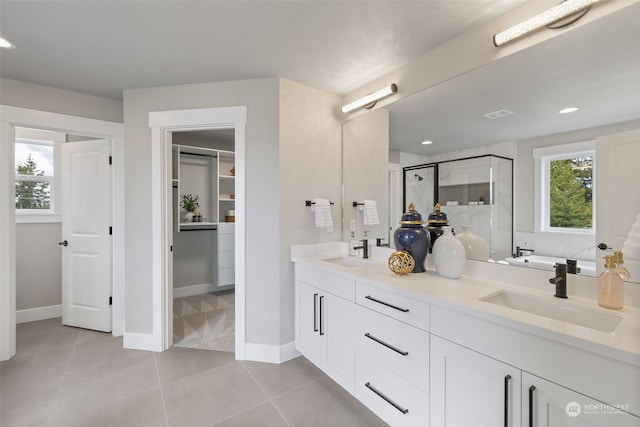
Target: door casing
15, 116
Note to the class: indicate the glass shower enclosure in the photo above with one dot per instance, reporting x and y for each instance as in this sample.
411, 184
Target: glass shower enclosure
475, 191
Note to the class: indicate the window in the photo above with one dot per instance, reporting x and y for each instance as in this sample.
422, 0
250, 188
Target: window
565, 188
36, 159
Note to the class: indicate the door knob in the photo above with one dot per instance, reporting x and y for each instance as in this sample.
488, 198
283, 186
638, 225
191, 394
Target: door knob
63, 243
603, 246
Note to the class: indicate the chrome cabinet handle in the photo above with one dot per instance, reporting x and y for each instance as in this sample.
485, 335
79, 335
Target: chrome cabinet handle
389, 346
404, 310
506, 400
386, 399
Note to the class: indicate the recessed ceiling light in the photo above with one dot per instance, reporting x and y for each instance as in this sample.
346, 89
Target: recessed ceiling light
568, 110
426, 142
498, 114
6, 43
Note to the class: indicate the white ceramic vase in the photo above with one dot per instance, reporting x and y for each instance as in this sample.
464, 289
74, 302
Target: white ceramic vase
449, 255
475, 246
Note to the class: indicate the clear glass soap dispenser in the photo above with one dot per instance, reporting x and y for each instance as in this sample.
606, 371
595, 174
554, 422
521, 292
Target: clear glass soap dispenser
610, 286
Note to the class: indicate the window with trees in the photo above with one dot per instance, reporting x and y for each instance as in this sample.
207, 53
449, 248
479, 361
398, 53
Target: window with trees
565, 188
36, 154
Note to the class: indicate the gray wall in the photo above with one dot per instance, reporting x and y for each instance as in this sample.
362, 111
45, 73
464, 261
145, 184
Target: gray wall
292, 153
38, 265
37, 97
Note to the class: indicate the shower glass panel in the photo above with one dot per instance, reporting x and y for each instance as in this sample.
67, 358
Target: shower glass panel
475, 191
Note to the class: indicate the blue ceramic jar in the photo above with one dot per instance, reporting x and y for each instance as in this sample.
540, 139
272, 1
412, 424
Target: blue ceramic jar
411, 237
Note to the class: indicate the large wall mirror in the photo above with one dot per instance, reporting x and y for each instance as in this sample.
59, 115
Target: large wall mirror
595, 67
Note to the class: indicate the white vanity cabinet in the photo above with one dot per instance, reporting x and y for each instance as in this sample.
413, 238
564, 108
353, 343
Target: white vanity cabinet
471, 372
546, 404
325, 321
392, 356
470, 389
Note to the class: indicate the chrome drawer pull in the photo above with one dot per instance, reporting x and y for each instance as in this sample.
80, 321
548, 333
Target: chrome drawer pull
389, 346
389, 401
404, 310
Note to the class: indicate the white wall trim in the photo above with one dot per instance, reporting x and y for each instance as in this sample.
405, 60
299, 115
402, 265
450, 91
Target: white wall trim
16, 116
39, 313
271, 353
147, 342
187, 291
163, 123
7, 243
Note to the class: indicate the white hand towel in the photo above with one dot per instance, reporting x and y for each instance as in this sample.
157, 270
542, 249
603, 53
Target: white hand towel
370, 214
322, 209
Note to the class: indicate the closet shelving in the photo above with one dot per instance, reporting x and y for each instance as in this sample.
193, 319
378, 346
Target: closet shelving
216, 193
207, 173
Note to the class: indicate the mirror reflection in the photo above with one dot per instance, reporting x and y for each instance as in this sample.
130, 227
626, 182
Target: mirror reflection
511, 107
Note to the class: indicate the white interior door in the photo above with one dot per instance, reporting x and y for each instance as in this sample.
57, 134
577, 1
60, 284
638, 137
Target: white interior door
86, 245
617, 184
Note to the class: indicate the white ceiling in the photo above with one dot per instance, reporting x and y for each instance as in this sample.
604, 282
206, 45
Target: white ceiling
104, 47
595, 67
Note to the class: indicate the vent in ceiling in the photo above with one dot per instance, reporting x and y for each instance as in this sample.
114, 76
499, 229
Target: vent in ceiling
498, 114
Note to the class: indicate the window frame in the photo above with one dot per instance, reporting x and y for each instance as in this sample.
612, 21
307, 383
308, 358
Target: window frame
46, 138
543, 158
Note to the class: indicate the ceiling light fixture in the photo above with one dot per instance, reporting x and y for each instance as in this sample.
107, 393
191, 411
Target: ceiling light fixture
426, 142
6, 43
370, 100
563, 10
568, 110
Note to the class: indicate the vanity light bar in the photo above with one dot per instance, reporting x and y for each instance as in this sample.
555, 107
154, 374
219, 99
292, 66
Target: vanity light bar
371, 98
556, 13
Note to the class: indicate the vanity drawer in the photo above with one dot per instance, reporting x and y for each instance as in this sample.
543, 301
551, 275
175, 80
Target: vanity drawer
403, 308
395, 400
332, 283
402, 348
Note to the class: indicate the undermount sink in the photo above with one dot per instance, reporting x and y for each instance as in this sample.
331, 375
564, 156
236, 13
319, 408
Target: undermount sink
346, 261
558, 310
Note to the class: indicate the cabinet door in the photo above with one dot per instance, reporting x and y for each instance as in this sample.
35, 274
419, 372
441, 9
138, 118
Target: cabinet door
470, 389
310, 337
338, 322
550, 405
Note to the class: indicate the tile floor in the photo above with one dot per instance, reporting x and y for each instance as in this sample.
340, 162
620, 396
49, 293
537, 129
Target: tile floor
63, 376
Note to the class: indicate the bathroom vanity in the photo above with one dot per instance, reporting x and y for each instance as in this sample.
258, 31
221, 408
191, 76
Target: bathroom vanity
422, 350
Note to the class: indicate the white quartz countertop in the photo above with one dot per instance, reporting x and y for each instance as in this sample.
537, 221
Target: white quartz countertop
464, 295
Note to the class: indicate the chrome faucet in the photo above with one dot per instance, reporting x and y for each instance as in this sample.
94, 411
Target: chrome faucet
523, 251
364, 247
560, 280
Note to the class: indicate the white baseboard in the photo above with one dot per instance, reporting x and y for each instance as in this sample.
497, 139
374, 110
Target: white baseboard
270, 353
187, 291
39, 313
147, 342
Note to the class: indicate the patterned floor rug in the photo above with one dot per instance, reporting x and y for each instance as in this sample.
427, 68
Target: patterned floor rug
205, 321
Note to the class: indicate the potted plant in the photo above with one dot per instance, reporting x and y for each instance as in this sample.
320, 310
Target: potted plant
189, 203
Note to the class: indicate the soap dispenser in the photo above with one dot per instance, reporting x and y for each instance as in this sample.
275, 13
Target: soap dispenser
352, 244
610, 286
